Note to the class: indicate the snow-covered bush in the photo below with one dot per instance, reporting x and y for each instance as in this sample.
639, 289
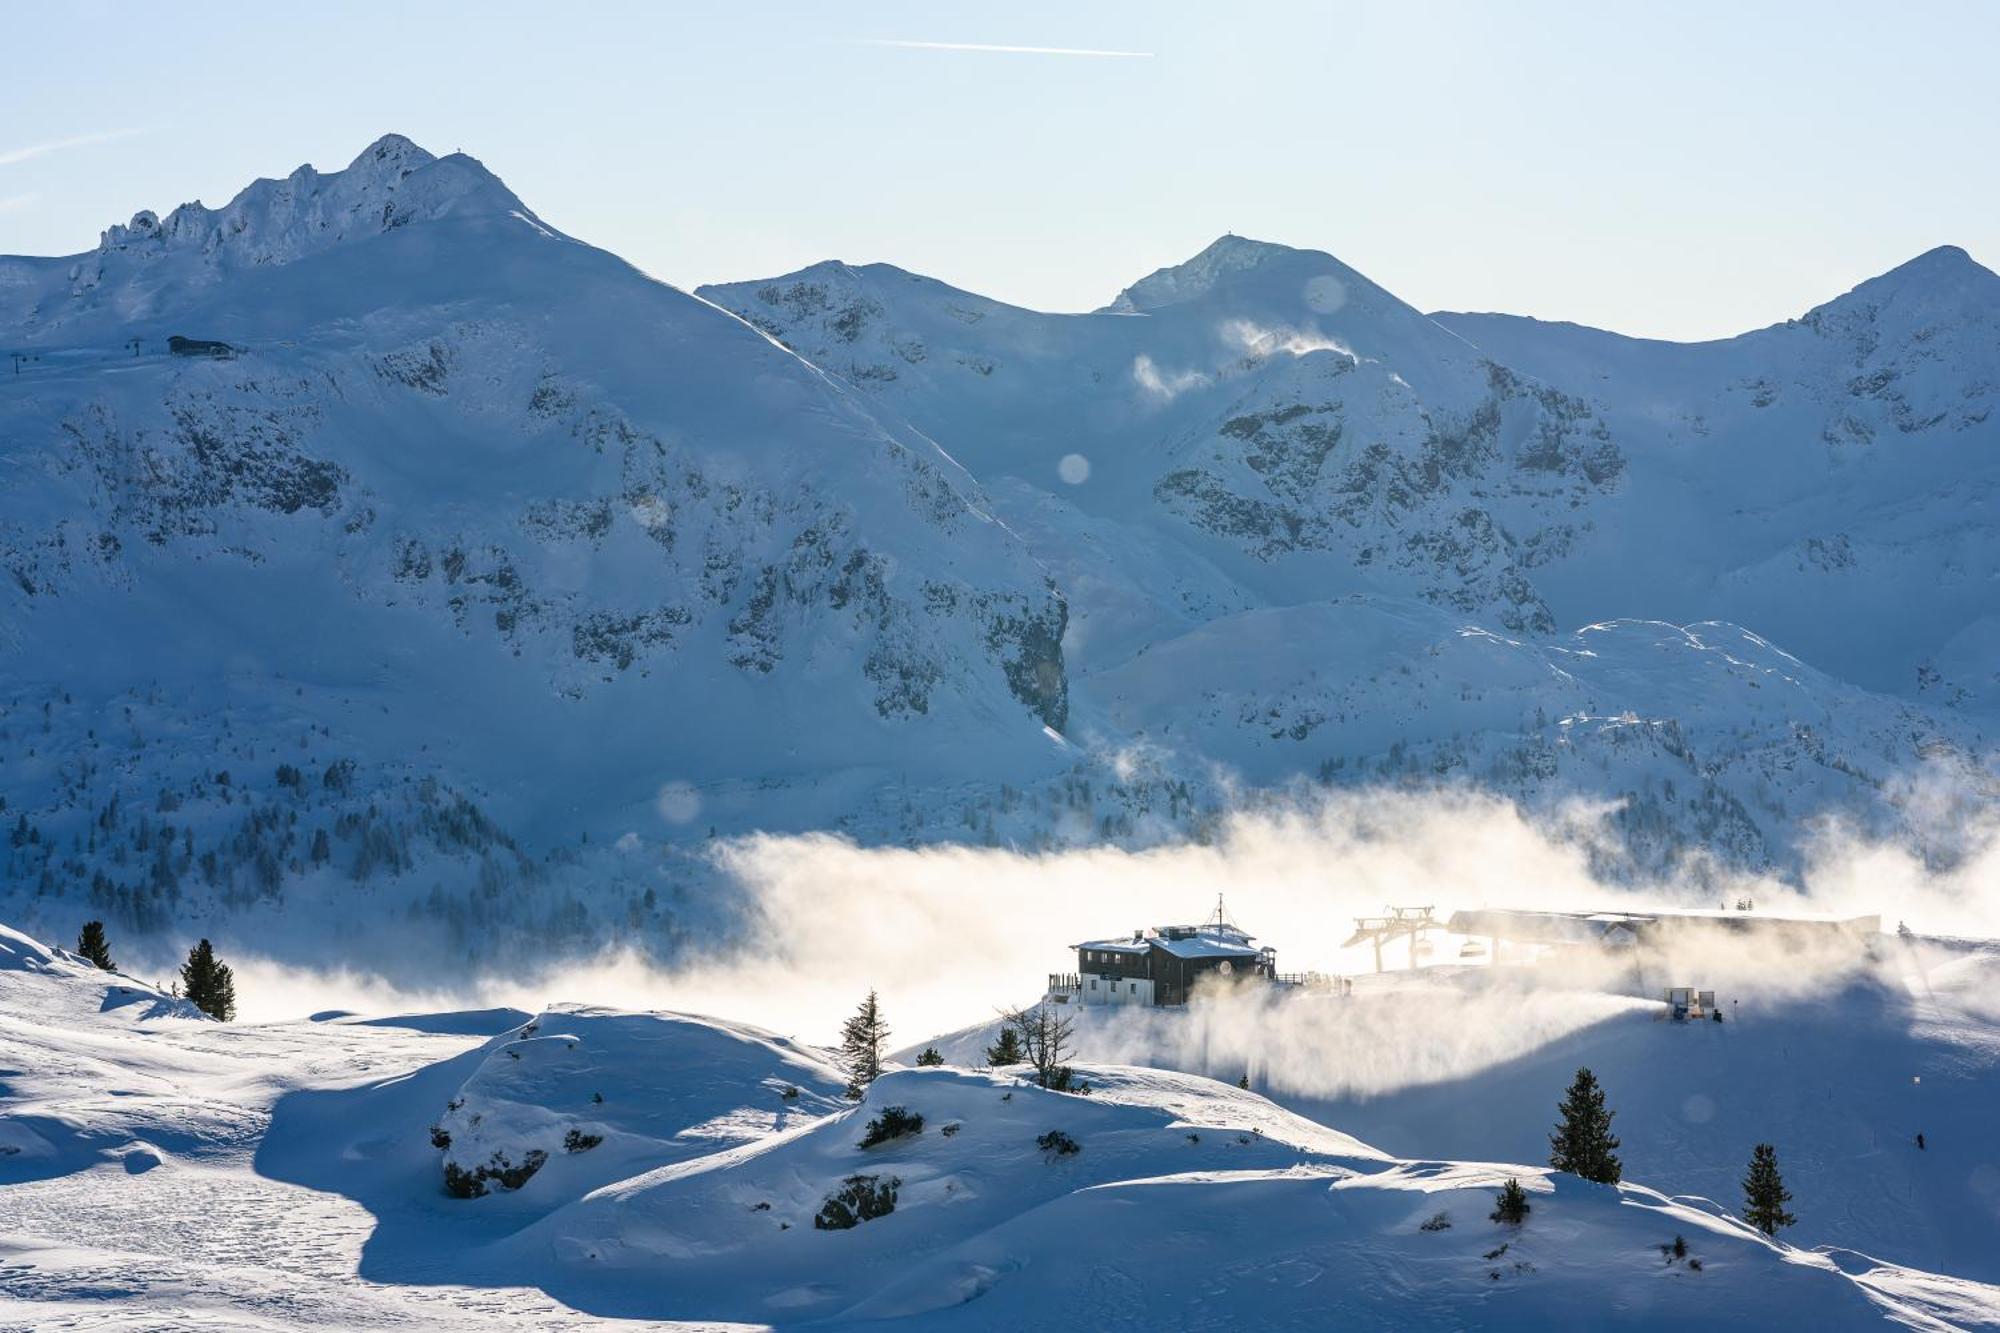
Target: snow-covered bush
461, 1183
895, 1122
859, 1199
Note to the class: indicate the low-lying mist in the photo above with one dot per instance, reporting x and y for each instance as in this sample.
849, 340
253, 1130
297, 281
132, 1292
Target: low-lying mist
949, 934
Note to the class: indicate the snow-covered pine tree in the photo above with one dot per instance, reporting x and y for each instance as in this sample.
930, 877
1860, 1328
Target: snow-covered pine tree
930, 1058
1007, 1050
1764, 1192
1583, 1143
1511, 1205
861, 1041
90, 942
208, 984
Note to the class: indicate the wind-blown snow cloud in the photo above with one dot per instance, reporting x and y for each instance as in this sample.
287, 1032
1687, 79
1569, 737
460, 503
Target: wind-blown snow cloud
1258, 340
11, 156
948, 934
909, 45
1164, 385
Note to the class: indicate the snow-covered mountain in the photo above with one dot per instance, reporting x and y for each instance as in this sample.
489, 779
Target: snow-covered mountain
478, 535
489, 576
1306, 529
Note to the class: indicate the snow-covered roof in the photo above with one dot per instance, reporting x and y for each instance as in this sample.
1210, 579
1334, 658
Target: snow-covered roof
1123, 944
1203, 941
1208, 942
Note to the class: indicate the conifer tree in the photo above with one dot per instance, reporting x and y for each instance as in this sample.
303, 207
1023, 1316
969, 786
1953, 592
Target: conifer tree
208, 984
1583, 1143
861, 1041
91, 944
1511, 1205
1764, 1192
1007, 1050
930, 1058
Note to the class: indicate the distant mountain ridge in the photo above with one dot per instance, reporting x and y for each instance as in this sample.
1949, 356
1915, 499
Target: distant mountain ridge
493, 576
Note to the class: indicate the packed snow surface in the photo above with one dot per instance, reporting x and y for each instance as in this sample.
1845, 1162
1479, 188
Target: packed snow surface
174, 1173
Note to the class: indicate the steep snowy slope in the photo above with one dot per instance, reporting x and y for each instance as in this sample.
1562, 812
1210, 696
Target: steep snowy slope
1702, 728
1210, 463
1831, 480
487, 578
479, 535
1828, 482
1283, 418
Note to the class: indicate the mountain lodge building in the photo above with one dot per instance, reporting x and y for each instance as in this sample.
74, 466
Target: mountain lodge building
1162, 965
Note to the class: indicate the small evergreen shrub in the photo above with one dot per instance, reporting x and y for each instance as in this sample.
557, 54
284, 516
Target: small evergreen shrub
1007, 1050
895, 1122
1057, 1142
1512, 1204
1436, 1222
440, 1139
950, 1129
859, 1199
578, 1141
463, 1184
930, 1059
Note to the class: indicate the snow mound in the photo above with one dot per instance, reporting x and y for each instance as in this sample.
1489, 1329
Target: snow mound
86, 992
579, 1096
1184, 1203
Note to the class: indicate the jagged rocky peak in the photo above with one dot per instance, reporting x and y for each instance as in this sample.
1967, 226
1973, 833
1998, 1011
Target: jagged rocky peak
393, 182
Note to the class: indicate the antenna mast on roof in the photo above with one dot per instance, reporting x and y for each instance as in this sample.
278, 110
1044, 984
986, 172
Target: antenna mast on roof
1220, 918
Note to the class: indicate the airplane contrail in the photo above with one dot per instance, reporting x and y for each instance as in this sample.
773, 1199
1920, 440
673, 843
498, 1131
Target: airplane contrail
1006, 50
10, 156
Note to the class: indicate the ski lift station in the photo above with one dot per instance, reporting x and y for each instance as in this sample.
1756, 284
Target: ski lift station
1615, 931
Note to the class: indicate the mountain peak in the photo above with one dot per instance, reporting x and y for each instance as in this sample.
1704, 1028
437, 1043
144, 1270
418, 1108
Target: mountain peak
392, 152
393, 182
1941, 283
1226, 255
1941, 265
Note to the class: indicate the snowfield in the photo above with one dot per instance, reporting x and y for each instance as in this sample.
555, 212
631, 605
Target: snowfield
175, 1173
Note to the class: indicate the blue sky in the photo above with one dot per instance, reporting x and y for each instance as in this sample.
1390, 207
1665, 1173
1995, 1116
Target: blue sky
1685, 170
